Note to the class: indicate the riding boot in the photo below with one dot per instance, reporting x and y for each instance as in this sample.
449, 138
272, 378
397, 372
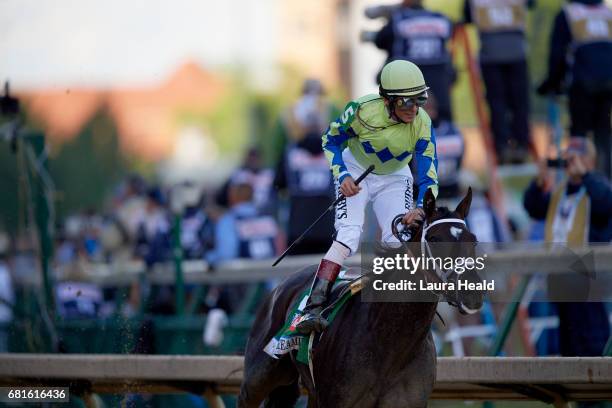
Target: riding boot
321, 286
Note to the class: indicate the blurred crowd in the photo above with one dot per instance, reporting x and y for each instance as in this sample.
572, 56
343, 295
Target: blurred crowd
261, 209
580, 56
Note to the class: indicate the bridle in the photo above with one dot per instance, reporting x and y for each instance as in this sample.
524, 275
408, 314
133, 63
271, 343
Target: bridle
425, 248
440, 274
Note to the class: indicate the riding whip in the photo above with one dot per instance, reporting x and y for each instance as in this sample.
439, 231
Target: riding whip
331, 207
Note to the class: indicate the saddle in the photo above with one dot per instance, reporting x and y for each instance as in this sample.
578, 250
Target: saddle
348, 283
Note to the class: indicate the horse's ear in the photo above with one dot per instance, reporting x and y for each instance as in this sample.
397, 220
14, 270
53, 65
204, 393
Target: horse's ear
463, 209
429, 203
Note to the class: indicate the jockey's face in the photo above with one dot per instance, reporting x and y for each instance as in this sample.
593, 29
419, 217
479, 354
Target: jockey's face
407, 114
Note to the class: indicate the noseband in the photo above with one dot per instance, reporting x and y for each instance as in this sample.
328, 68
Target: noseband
426, 250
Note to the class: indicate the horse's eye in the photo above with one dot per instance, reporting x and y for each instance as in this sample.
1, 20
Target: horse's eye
434, 239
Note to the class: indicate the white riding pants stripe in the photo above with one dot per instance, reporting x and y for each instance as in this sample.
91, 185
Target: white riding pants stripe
390, 194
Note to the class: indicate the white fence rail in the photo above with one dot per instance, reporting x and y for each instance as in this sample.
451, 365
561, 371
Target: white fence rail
523, 261
554, 380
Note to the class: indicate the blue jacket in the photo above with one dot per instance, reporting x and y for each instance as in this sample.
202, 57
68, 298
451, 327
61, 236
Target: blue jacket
229, 244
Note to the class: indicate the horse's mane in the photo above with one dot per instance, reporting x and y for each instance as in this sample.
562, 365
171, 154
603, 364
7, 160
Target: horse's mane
386, 250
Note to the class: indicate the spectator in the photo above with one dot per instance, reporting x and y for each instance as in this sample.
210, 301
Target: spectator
576, 212
304, 173
421, 36
65, 248
78, 300
309, 114
253, 173
130, 205
90, 236
243, 232
153, 240
581, 45
113, 239
197, 230
503, 49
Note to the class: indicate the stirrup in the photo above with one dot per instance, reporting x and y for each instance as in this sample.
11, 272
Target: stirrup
312, 322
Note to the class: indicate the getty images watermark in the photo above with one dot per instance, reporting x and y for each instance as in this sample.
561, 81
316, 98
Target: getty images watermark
443, 267
557, 273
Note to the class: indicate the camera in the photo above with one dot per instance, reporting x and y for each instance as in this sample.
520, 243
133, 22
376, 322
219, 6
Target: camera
373, 12
556, 163
381, 11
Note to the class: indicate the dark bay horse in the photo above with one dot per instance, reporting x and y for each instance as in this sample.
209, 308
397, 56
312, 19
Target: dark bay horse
377, 354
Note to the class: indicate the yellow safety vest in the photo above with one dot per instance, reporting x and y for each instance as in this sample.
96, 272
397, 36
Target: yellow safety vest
499, 15
568, 217
589, 23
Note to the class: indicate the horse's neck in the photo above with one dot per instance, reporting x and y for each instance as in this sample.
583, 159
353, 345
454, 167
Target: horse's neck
401, 327
406, 312
406, 318
403, 321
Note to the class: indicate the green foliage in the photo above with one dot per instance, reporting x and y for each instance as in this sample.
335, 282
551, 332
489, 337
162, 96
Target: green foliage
267, 110
86, 168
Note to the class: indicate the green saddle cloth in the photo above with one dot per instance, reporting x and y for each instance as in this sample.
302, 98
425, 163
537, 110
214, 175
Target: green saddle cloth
287, 339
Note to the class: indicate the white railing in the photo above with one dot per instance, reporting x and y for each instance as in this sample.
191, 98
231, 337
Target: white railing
551, 379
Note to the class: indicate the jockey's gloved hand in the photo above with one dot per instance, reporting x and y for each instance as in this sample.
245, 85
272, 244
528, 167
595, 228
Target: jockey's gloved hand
348, 187
413, 217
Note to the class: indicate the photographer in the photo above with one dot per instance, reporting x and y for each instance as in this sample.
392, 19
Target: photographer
583, 187
577, 211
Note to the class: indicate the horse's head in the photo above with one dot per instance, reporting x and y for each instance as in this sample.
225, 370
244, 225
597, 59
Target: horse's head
445, 234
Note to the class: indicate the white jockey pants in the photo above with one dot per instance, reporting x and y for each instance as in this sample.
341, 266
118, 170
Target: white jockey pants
390, 194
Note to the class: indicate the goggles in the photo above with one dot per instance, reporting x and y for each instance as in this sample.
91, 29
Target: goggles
402, 102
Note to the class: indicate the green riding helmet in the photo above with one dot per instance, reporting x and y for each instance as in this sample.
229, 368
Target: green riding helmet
401, 78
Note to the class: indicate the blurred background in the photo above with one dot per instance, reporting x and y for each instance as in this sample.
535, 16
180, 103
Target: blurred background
133, 134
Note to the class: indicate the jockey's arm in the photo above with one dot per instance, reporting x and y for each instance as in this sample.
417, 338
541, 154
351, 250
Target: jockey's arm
334, 142
427, 163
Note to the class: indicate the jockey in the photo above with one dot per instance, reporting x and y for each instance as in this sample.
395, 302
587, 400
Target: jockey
385, 130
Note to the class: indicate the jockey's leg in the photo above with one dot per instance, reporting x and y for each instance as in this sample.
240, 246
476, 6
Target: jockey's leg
390, 199
324, 280
350, 215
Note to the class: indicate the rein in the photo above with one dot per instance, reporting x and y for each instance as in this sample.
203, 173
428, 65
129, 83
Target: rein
425, 248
